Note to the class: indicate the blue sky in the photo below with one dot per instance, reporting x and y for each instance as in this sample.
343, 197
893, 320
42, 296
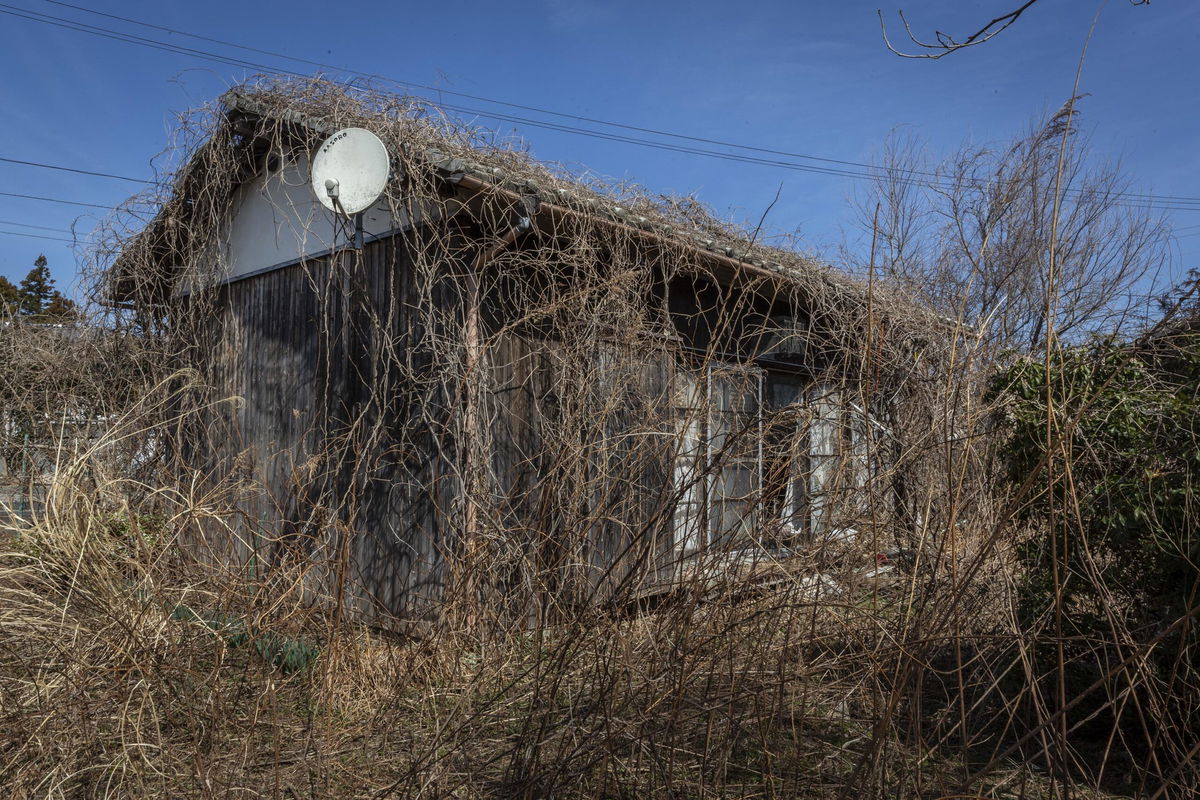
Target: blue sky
804, 77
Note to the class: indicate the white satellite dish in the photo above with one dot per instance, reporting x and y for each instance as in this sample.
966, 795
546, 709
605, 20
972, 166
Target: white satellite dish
350, 171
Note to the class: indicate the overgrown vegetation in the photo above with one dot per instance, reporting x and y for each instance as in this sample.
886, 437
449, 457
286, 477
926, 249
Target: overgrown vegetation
136, 663
1104, 441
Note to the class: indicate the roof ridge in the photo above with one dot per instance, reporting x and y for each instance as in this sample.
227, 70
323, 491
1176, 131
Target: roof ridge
450, 166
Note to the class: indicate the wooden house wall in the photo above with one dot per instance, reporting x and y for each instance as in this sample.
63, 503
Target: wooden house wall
581, 451
334, 439
258, 426
400, 483
345, 445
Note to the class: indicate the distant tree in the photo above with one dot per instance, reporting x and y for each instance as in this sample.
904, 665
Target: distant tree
36, 297
60, 308
10, 297
37, 288
1014, 243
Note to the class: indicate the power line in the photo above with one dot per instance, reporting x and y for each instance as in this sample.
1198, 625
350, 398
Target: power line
55, 200
942, 183
37, 227
37, 236
72, 169
441, 90
1172, 203
60, 22
537, 109
154, 44
107, 33
211, 40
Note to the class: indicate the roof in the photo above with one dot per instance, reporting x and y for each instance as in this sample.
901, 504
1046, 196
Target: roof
455, 168
441, 150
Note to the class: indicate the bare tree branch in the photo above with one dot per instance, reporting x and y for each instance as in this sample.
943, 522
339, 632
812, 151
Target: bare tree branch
946, 44
974, 242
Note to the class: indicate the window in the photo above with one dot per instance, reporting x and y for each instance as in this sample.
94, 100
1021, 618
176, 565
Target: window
785, 453
718, 464
763, 457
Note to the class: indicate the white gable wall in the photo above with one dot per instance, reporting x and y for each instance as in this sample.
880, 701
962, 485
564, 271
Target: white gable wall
277, 221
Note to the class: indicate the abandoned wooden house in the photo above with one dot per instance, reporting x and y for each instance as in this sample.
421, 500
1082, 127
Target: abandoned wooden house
570, 389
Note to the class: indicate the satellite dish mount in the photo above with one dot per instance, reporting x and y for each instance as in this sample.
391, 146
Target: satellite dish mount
349, 173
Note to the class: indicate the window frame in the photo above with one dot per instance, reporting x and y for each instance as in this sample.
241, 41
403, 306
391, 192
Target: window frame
783, 511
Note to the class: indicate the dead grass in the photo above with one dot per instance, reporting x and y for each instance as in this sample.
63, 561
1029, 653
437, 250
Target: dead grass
133, 666
744, 692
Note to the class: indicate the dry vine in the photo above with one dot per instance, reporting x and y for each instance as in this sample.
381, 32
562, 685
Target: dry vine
519, 404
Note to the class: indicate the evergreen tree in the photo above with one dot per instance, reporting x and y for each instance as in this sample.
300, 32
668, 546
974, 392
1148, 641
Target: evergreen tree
60, 308
10, 298
37, 289
36, 298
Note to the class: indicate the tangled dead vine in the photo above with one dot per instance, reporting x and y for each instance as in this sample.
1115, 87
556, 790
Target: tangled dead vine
539, 373
544, 446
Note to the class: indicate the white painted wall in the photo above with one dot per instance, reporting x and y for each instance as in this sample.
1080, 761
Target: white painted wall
277, 220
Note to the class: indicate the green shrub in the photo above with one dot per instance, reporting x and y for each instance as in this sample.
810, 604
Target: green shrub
1102, 448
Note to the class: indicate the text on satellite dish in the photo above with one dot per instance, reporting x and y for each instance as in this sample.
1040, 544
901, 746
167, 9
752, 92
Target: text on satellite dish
335, 139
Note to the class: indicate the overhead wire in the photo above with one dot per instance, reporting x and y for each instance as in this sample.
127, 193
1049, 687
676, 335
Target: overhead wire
542, 110
37, 236
481, 98
231, 61
76, 170
55, 200
37, 227
1130, 199
108, 33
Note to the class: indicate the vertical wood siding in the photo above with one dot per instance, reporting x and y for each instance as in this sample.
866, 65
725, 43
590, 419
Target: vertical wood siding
344, 449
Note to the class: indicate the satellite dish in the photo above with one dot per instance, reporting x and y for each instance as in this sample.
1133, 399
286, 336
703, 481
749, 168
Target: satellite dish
350, 171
